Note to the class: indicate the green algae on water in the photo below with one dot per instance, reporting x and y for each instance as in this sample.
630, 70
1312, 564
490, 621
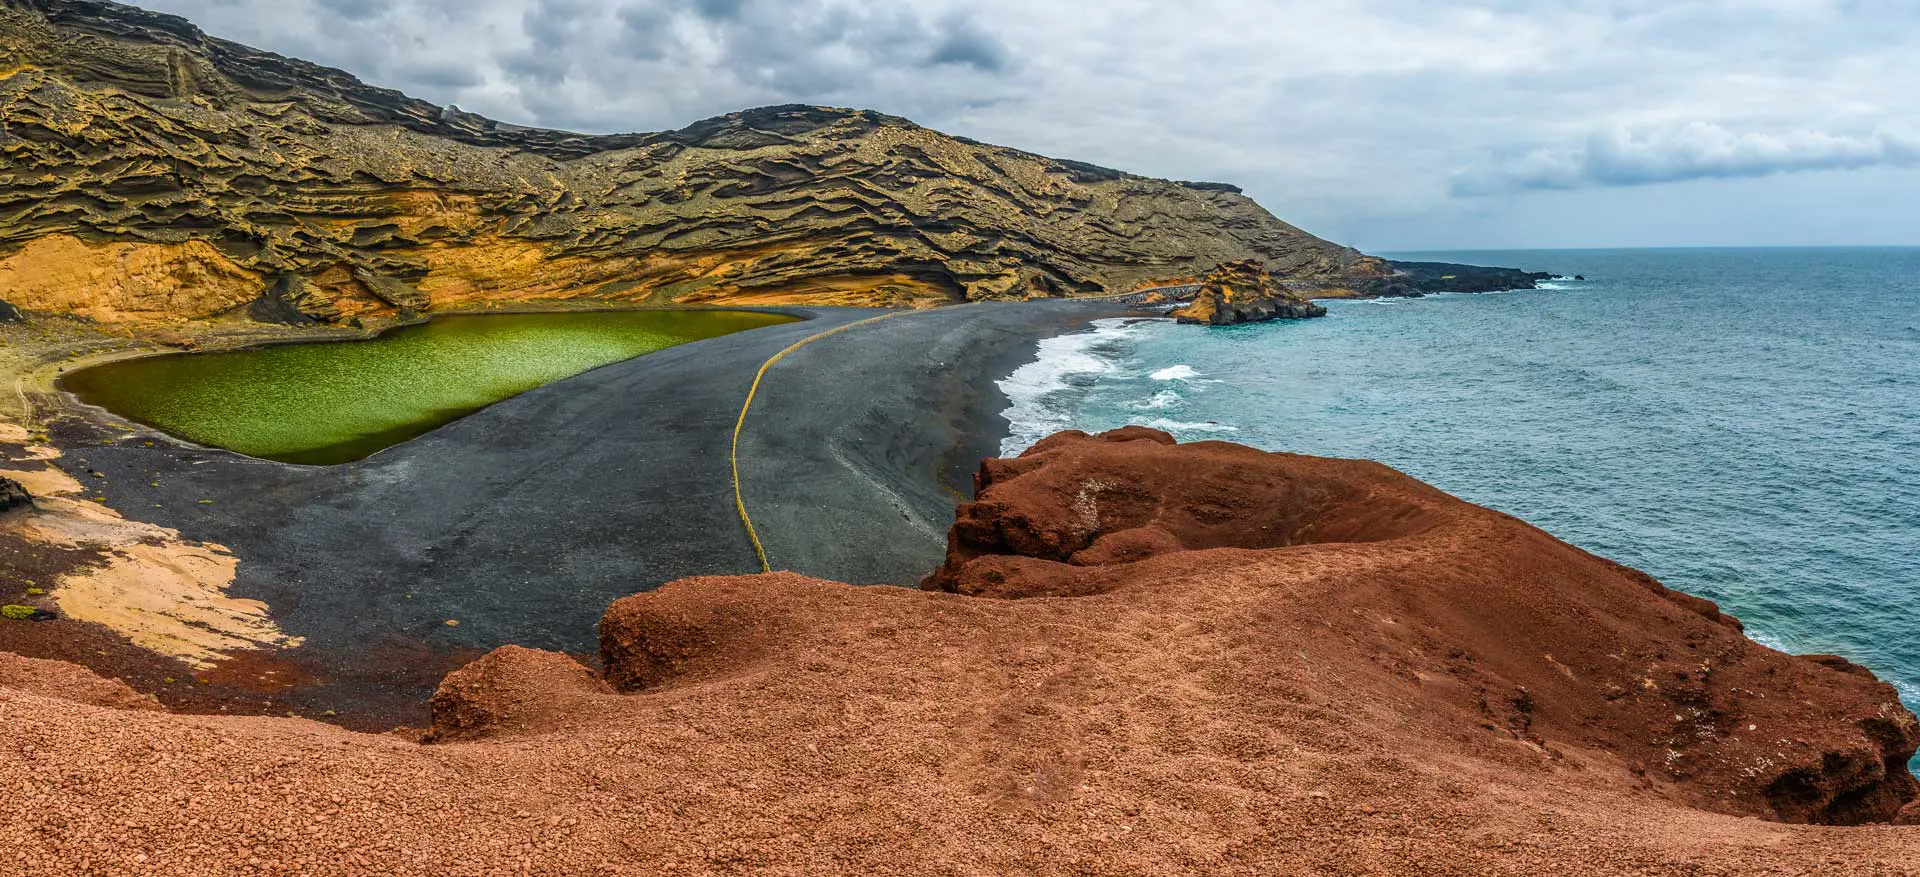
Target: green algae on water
325, 403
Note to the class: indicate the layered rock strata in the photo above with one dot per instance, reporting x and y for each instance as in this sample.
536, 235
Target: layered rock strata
152, 173
1243, 292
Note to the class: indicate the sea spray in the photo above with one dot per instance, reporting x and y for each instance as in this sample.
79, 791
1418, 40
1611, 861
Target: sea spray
1045, 394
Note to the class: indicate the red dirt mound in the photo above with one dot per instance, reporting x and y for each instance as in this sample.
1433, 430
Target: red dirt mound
1520, 633
1363, 676
72, 682
512, 690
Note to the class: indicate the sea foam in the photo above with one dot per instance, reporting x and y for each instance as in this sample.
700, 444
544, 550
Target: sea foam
1158, 401
1043, 394
1180, 428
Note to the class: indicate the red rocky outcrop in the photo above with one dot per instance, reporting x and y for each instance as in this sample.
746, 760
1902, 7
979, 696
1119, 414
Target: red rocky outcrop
1489, 616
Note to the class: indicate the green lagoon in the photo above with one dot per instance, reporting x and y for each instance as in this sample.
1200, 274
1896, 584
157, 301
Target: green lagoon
334, 402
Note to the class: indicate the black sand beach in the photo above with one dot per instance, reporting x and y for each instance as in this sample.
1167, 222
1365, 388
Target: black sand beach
521, 522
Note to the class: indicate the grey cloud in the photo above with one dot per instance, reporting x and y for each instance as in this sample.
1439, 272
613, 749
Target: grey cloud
355, 9
1359, 119
441, 76
968, 45
1689, 152
719, 10
644, 32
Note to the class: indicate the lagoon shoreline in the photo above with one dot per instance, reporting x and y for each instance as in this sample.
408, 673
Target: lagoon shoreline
521, 521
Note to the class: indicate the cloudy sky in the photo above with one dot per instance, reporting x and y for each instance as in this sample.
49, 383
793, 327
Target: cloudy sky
1387, 124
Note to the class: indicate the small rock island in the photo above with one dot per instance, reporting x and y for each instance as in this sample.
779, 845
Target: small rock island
1243, 292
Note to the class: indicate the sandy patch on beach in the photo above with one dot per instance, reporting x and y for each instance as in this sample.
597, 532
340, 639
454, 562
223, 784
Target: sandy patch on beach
162, 592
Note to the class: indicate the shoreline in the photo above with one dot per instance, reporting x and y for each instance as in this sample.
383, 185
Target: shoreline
24, 359
523, 520
63, 397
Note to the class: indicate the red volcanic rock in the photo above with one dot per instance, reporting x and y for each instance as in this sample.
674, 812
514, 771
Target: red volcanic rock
70, 682
512, 690
648, 640
1220, 661
1517, 632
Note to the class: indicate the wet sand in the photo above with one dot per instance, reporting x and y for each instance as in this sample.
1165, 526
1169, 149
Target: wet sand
522, 522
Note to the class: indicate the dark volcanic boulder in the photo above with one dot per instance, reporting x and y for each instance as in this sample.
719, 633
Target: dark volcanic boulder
13, 496
276, 304
1243, 292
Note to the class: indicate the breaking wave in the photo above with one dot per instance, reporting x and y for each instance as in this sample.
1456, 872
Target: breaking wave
1045, 394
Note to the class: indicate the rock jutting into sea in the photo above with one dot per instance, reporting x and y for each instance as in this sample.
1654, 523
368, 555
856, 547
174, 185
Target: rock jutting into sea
1243, 292
1414, 279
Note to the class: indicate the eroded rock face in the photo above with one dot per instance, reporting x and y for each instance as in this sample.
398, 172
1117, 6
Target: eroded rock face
1243, 292
133, 139
1544, 642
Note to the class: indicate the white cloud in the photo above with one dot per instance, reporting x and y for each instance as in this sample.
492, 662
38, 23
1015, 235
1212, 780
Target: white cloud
1697, 150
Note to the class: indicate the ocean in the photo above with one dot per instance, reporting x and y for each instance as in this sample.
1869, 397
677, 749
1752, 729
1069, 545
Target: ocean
1743, 424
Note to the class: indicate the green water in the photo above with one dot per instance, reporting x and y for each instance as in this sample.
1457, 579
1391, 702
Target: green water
327, 403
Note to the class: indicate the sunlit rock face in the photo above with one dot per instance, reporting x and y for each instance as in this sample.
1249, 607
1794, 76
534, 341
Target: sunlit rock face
155, 172
1243, 292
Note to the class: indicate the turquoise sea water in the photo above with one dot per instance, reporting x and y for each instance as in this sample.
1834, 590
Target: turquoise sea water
1742, 424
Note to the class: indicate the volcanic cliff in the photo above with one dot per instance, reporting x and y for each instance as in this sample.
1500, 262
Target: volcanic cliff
153, 172
1139, 658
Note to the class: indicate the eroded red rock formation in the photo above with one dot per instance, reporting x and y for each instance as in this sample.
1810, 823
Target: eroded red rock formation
1150, 659
1474, 611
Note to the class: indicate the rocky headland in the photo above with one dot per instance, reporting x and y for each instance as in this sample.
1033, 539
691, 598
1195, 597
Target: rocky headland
1420, 278
1139, 657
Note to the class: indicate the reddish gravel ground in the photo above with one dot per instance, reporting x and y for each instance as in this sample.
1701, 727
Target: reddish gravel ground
1146, 659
